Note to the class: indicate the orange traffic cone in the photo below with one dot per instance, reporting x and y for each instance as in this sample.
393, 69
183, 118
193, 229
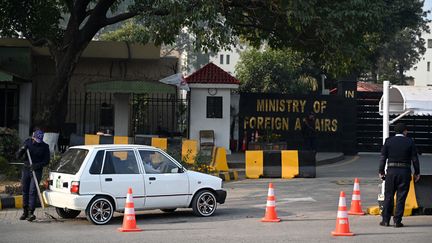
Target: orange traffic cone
270, 214
356, 201
342, 224
129, 221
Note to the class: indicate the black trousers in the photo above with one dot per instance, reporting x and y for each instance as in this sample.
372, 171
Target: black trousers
397, 180
29, 191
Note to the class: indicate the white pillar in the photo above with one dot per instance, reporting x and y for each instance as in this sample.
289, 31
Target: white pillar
121, 114
24, 118
386, 87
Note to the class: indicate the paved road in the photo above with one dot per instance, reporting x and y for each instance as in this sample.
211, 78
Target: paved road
307, 208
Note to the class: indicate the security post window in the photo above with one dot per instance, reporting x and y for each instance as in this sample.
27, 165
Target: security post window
214, 107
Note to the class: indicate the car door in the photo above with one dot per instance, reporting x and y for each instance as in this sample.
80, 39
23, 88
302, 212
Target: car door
121, 171
166, 185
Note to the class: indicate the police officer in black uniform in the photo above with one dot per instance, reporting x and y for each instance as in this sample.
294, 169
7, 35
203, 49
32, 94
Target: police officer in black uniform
40, 155
398, 151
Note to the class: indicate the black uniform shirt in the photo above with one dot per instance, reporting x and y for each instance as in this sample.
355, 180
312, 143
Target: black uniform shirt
38, 151
399, 149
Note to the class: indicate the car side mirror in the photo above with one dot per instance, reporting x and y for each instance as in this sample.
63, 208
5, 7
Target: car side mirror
180, 169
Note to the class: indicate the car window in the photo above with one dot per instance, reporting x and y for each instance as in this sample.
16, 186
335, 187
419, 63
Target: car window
97, 163
120, 162
156, 163
71, 161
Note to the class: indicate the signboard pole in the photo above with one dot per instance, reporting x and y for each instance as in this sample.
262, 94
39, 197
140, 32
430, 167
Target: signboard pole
386, 87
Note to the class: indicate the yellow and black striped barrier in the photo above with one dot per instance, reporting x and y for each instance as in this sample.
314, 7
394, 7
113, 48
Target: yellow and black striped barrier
11, 202
280, 164
231, 175
419, 198
90, 139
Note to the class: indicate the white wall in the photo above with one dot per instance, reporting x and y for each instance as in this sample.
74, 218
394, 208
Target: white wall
234, 57
24, 119
419, 72
199, 121
121, 117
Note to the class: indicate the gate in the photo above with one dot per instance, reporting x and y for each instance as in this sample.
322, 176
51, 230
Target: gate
162, 114
369, 125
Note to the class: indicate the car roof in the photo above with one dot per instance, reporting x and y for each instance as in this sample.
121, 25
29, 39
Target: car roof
113, 146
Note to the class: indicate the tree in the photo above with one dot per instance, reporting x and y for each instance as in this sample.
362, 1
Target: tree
332, 32
400, 55
131, 32
66, 27
275, 71
339, 36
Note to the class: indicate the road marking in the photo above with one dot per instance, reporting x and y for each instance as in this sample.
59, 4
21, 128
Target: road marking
341, 164
286, 201
299, 199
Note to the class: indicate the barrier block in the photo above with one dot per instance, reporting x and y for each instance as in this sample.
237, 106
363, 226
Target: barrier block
423, 189
290, 164
411, 200
189, 151
121, 140
307, 164
219, 162
254, 164
231, 175
18, 201
161, 143
280, 164
106, 139
90, 139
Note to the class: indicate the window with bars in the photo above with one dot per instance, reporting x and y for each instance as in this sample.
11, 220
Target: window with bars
214, 107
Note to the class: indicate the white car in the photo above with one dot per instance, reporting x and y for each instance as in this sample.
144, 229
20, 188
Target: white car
96, 178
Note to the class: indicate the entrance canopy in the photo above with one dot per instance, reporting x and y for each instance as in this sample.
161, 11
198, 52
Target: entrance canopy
409, 100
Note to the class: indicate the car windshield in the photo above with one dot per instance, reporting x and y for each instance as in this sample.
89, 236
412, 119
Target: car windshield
70, 161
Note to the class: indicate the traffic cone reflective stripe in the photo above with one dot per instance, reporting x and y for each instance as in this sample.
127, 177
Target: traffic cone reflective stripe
342, 223
129, 220
356, 200
270, 214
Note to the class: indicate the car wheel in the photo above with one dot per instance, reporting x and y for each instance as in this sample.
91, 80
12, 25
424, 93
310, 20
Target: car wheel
204, 203
67, 213
168, 210
100, 210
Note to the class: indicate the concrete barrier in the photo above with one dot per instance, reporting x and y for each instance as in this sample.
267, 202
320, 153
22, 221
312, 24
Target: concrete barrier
280, 164
189, 151
161, 143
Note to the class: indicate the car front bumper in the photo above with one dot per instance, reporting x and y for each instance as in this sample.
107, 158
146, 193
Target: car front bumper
221, 196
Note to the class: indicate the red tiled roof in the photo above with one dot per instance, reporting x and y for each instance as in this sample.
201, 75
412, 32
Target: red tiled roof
369, 87
211, 74
364, 87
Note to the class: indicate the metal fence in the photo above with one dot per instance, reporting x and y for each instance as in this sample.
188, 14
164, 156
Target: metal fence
369, 125
161, 114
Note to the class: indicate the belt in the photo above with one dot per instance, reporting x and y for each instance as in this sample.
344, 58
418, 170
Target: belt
397, 164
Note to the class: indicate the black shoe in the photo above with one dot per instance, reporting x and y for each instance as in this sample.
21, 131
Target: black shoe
31, 217
398, 225
382, 223
25, 213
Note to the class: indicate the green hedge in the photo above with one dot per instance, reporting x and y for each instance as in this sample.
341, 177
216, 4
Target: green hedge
9, 145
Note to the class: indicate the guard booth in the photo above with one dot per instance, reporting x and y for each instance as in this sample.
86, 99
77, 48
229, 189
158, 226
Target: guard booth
409, 101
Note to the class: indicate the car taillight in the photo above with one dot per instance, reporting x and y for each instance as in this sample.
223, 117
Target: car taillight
74, 187
46, 184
